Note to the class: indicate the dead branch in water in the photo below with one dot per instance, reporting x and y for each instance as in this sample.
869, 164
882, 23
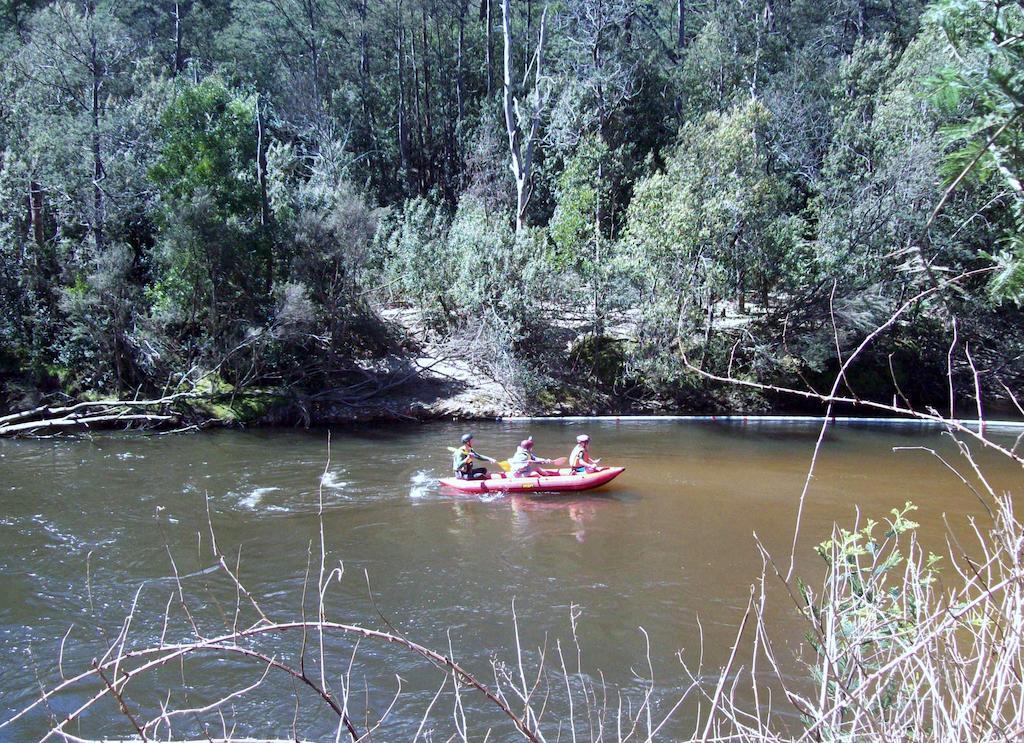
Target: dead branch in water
96, 414
85, 421
49, 411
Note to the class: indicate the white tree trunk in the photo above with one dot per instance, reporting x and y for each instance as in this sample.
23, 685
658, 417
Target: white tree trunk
520, 147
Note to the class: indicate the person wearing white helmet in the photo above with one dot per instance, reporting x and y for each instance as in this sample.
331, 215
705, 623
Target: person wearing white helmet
524, 463
580, 460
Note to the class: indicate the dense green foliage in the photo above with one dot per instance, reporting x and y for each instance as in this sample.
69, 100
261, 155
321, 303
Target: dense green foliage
201, 187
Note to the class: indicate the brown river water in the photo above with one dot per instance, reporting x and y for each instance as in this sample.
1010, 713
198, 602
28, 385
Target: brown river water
669, 547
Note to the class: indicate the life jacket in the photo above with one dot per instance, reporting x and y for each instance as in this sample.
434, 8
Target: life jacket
521, 458
576, 458
463, 458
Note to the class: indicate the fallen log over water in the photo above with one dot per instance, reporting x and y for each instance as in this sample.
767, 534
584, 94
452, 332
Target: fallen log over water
95, 414
83, 422
370, 395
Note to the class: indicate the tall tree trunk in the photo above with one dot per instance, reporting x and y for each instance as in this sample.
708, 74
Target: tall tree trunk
364, 93
490, 48
460, 94
446, 161
99, 206
681, 25
35, 212
520, 147
529, 34
29, 221
403, 124
428, 145
677, 102
741, 290
709, 328
364, 51
418, 110
261, 176
261, 166
602, 107
178, 63
597, 288
314, 56
757, 56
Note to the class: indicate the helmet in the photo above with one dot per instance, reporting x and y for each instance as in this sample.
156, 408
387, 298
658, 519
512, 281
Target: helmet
527, 443
466, 438
582, 438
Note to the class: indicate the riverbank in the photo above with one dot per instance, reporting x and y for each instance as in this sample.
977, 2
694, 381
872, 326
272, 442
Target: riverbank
428, 386
426, 376
269, 409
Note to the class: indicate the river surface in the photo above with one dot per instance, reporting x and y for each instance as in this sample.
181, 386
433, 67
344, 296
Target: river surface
669, 547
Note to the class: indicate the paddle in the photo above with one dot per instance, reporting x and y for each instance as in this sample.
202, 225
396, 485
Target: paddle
560, 462
503, 464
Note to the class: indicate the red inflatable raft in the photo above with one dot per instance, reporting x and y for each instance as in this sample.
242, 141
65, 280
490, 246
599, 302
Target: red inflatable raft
564, 481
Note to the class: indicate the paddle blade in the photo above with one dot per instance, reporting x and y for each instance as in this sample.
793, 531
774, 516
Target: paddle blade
560, 461
504, 465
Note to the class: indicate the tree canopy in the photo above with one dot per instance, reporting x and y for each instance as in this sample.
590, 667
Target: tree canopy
610, 192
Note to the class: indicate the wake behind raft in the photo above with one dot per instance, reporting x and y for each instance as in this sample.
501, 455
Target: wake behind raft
565, 481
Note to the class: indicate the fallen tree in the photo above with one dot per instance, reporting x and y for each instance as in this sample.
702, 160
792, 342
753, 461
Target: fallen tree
371, 394
101, 414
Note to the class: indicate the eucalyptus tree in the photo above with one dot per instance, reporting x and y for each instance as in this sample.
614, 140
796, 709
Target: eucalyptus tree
591, 36
522, 122
168, 29
81, 113
712, 226
599, 78
298, 51
73, 75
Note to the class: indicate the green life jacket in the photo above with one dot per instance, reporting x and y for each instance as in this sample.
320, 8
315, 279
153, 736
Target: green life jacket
463, 457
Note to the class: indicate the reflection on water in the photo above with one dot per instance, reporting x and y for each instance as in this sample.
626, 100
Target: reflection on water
669, 546
578, 509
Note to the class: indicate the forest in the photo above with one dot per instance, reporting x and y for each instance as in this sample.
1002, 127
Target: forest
594, 203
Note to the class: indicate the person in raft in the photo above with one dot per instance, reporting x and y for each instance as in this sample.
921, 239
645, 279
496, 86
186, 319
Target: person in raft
580, 460
524, 463
463, 460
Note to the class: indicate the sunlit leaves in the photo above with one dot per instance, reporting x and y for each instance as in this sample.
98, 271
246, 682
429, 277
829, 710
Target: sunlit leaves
987, 79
